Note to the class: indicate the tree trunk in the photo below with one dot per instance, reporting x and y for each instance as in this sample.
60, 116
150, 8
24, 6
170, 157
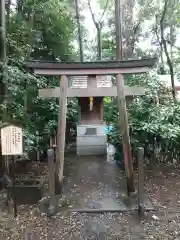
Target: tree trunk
122, 105
2, 34
8, 6
118, 21
79, 31
98, 25
19, 6
3, 86
129, 31
164, 43
2, 50
99, 45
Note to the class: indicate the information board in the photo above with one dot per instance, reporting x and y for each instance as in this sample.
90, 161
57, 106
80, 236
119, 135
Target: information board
11, 140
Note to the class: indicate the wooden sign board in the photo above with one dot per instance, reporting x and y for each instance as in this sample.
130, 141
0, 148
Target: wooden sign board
11, 140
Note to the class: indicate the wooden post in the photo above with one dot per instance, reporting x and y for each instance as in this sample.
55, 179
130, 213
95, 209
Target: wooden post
14, 187
122, 103
55, 140
61, 131
79, 111
140, 179
51, 142
38, 156
102, 110
52, 205
125, 134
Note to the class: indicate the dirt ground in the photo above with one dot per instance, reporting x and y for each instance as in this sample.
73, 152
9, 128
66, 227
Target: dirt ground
92, 183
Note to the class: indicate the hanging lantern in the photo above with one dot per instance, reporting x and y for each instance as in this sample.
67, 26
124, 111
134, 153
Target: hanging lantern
91, 103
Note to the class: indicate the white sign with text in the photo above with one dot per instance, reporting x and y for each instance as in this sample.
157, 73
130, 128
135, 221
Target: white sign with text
12, 140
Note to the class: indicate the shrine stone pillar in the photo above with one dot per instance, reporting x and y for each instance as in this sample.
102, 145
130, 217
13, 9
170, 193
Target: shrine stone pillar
91, 139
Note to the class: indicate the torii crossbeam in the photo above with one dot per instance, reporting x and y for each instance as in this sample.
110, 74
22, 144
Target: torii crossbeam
91, 92
117, 68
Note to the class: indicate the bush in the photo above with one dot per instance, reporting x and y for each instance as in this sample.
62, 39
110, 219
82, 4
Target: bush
153, 121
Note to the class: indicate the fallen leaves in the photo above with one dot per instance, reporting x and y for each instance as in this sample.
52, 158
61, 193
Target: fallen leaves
84, 188
155, 217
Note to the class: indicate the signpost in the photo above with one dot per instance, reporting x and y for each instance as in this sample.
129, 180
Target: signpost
52, 205
11, 140
12, 145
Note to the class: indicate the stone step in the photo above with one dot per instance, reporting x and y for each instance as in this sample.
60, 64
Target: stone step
91, 145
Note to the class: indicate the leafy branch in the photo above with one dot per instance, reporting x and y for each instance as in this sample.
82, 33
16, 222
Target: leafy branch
169, 42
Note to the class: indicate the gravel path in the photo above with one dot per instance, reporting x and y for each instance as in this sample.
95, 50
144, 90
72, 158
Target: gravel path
162, 185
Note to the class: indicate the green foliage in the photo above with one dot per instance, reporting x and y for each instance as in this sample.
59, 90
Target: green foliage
40, 30
150, 117
44, 29
36, 114
110, 110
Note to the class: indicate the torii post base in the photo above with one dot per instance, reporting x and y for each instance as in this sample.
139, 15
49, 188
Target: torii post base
58, 185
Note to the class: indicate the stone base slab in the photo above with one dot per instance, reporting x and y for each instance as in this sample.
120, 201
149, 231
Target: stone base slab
91, 145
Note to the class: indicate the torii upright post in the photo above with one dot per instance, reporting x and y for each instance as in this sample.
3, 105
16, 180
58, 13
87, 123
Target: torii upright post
61, 129
122, 103
87, 69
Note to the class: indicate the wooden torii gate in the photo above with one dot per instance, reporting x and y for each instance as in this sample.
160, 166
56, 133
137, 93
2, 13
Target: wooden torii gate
117, 68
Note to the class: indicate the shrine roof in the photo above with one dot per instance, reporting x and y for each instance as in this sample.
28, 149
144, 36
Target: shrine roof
144, 62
